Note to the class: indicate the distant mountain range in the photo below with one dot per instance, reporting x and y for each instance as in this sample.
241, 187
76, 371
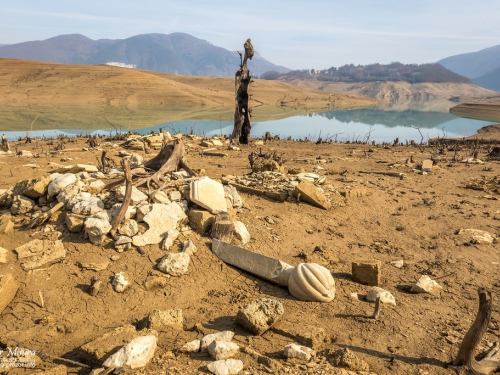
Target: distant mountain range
483, 67
175, 53
411, 73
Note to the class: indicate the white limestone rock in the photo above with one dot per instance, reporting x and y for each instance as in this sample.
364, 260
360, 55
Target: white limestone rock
298, 351
225, 367
426, 285
97, 228
175, 264
160, 220
22, 205
136, 197
189, 247
60, 182
191, 347
385, 296
159, 196
209, 194
219, 336
128, 227
137, 353
120, 283
130, 214
233, 196
241, 232
170, 238
87, 205
68, 193
477, 236
175, 196
223, 349
97, 186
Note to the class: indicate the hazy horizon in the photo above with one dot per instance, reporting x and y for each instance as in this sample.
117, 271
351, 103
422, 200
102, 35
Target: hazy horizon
318, 35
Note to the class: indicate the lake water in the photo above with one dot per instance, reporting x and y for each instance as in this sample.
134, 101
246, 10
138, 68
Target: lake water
380, 124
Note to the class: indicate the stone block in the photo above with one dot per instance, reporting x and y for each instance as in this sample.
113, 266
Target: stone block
39, 253
304, 334
6, 226
201, 221
3, 255
75, 222
159, 320
367, 272
8, 289
209, 194
307, 192
34, 188
427, 165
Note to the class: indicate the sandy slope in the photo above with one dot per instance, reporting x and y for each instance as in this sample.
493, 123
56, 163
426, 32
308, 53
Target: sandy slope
56, 91
401, 92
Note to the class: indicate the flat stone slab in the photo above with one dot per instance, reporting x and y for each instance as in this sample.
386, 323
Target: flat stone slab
75, 168
39, 253
8, 289
208, 194
160, 220
306, 191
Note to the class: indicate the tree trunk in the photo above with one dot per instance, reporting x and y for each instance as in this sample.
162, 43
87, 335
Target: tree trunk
5, 143
126, 201
242, 125
169, 159
465, 357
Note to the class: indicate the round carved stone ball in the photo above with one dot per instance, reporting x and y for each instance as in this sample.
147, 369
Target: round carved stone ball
312, 282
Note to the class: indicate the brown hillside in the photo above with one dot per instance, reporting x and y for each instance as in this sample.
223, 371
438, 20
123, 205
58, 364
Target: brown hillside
84, 94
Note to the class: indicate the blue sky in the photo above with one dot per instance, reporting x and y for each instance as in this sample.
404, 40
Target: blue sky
297, 34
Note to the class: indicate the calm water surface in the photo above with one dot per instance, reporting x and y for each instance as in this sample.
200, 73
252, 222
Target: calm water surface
378, 123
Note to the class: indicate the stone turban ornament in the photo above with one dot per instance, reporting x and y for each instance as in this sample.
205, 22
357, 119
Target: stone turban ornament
311, 282
307, 281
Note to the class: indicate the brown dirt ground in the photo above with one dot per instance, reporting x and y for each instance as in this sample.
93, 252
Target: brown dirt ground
414, 219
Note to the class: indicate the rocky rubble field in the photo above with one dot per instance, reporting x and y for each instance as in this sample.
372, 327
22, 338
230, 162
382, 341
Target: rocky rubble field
400, 237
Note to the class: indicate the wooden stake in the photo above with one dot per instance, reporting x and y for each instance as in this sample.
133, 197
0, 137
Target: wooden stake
126, 201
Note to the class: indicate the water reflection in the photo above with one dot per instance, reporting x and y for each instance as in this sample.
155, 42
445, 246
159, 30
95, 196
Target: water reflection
381, 123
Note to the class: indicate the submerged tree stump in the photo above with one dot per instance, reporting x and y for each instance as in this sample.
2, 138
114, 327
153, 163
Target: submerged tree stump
242, 125
5, 143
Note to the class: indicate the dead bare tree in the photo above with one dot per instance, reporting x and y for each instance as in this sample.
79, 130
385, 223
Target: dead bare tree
465, 360
242, 125
5, 143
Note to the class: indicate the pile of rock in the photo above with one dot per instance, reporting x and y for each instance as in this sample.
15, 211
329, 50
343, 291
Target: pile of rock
155, 218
